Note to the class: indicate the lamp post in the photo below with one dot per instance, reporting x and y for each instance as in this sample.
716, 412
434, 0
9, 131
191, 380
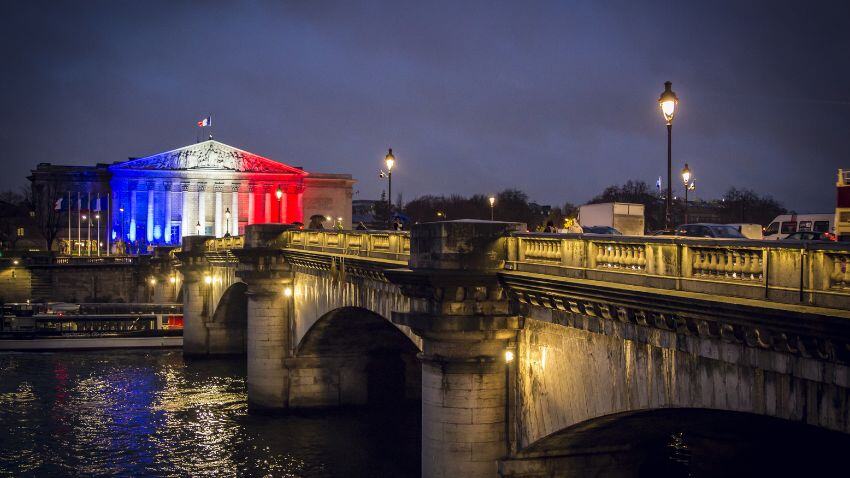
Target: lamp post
198, 228
668, 102
88, 234
279, 195
492, 200
97, 216
227, 222
124, 244
389, 160
689, 186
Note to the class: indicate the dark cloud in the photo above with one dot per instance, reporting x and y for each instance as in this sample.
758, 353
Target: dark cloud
557, 98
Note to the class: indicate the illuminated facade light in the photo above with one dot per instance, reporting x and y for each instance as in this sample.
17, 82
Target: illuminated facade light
287, 291
509, 356
208, 280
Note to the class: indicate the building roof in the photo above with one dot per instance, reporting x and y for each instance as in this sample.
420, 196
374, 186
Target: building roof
208, 155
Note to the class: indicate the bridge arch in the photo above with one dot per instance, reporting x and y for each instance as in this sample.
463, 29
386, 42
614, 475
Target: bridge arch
354, 356
682, 442
227, 328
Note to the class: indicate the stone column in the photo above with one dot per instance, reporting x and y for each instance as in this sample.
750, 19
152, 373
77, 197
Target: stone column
166, 228
218, 212
202, 211
149, 222
194, 267
132, 211
269, 317
251, 194
234, 210
464, 319
185, 212
268, 204
282, 202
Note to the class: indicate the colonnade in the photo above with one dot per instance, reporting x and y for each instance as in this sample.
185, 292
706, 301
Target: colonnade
201, 207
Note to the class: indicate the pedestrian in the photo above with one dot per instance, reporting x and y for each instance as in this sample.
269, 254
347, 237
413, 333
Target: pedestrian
550, 227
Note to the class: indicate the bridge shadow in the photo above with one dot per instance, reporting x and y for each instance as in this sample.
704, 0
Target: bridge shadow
683, 443
353, 356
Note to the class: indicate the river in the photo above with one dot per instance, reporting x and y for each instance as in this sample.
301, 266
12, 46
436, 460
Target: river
152, 413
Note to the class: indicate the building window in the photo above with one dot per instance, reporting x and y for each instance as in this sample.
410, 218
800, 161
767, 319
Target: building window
20, 232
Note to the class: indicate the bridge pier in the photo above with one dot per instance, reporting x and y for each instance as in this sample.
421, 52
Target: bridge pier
464, 318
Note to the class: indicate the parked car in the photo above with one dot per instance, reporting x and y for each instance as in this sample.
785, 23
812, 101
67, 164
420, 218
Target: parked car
811, 236
749, 230
717, 231
601, 230
785, 224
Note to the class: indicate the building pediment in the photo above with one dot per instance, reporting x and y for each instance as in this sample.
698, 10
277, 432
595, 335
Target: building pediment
208, 155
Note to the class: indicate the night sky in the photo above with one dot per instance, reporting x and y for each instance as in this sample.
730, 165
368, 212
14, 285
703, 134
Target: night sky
556, 98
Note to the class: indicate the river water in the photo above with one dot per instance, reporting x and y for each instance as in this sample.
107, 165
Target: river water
151, 413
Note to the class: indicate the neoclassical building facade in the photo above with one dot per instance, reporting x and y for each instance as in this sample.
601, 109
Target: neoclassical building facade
207, 188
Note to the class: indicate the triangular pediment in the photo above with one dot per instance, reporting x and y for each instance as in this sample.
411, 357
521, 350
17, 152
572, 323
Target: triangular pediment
209, 155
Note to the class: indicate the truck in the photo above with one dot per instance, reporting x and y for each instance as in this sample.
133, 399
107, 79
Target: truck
625, 217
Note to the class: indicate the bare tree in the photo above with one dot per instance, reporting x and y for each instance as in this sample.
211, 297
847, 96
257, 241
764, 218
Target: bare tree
42, 198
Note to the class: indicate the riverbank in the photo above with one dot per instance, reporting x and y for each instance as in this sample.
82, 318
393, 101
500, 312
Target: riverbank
41, 344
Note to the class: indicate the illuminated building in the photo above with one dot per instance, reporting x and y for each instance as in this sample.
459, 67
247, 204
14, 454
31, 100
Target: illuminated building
188, 191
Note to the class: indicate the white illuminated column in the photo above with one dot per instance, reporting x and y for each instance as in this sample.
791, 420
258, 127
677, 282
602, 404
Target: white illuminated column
202, 209
234, 210
218, 212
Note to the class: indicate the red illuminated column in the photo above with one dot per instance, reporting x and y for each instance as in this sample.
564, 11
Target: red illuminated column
268, 204
251, 211
294, 209
282, 205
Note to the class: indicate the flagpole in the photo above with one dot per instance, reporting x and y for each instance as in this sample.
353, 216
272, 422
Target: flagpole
108, 224
98, 224
88, 226
70, 244
79, 232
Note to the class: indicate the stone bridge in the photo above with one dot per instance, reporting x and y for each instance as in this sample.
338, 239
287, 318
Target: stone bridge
532, 354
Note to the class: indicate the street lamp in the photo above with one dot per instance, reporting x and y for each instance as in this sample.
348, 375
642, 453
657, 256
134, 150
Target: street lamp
97, 216
441, 215
668, 102
198, 228
227, 221
689, 185
492, 200
389, 159
279, 193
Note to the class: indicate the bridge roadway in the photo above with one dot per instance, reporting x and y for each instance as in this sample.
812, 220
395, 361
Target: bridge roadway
614, 340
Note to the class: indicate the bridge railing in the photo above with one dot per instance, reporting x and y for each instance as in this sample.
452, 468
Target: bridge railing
221, 244
94, 260
804, 273
390, 245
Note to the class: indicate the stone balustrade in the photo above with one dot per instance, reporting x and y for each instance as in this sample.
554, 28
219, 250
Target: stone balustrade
390, 245
811, 274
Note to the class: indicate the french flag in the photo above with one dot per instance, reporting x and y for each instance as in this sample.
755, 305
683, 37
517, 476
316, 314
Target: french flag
205, 122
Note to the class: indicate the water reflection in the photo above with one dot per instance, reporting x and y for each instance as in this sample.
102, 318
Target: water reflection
150, 413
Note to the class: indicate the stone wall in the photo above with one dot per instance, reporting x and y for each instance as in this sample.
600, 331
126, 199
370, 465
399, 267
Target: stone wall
597, 367
15, 283
90, 283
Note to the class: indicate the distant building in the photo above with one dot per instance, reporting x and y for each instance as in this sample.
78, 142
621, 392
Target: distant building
208, 188
363, 210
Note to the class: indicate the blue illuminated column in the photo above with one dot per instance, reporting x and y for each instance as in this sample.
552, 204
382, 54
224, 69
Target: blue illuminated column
218, 212
132, 213
149, 226
185, 212
166, 229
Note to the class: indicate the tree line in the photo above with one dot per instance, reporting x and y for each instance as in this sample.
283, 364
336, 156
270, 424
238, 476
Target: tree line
737, 205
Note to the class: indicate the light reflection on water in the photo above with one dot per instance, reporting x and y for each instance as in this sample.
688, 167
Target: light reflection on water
149, 413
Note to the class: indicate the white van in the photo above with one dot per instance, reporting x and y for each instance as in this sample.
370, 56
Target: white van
750, 231
785, 224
